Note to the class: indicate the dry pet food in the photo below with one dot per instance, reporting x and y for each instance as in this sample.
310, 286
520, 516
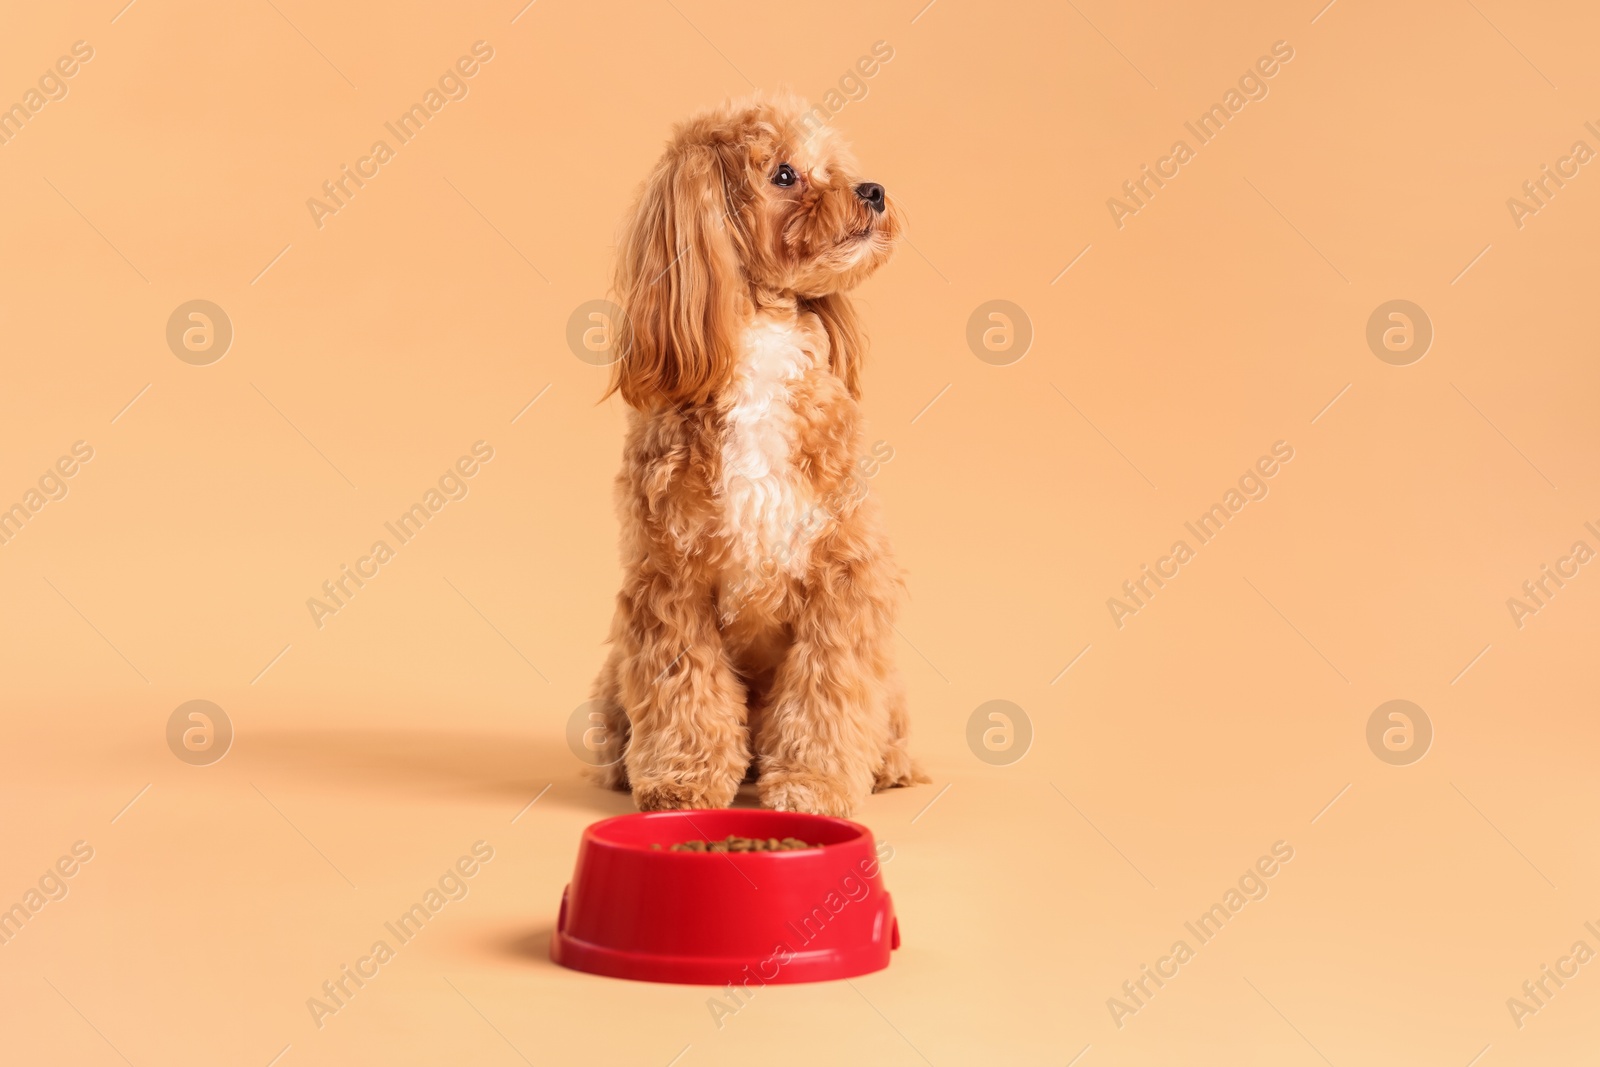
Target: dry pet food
734, 843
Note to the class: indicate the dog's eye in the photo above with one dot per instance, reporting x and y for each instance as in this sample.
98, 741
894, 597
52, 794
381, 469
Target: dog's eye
785, 175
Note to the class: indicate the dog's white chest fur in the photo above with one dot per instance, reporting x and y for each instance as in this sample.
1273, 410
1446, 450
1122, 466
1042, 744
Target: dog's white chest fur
766, 501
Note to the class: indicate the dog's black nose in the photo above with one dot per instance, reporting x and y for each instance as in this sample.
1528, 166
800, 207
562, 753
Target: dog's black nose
872, 193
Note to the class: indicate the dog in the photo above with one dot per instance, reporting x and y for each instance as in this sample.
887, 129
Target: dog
754, 631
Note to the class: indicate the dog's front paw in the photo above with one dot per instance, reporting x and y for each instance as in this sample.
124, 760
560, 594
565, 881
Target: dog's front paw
809, 793
898, 771
673, 794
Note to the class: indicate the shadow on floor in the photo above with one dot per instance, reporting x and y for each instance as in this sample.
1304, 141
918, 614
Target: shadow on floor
510, 767
529, 946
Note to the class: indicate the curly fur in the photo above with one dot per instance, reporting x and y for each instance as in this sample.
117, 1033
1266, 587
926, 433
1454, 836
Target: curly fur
755, 620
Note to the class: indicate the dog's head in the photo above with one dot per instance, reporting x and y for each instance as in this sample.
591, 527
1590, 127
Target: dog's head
754, 200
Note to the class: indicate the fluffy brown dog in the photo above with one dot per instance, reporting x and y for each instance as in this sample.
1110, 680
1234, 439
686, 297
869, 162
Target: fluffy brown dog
756, 614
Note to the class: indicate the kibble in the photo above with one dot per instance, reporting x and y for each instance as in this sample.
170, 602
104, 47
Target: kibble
735, 843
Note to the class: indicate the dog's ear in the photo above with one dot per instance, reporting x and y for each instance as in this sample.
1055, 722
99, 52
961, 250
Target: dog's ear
679, 284
847, 344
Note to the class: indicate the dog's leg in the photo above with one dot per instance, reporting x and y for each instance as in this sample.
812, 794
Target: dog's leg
826, 729
898, 768
686, 708
612, 772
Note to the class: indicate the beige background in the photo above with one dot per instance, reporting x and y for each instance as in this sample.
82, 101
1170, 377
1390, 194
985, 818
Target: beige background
1226, 315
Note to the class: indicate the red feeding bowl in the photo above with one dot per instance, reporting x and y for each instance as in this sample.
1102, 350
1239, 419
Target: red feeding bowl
711, 918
